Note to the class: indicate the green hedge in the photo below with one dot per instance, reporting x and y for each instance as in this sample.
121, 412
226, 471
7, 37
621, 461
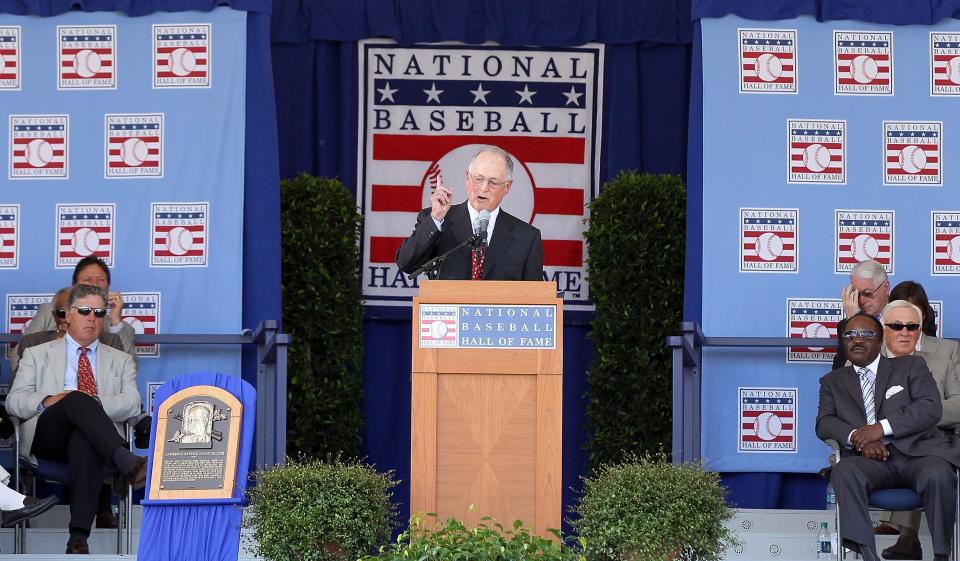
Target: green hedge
636, 241
322, 310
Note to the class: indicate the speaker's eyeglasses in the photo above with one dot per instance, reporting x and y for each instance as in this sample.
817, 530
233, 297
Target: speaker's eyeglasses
900, 326
85, 311
863, 333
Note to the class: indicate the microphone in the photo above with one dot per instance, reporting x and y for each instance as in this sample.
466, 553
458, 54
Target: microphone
484, 223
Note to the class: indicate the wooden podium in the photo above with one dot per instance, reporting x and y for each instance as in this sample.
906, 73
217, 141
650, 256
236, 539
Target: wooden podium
487, 420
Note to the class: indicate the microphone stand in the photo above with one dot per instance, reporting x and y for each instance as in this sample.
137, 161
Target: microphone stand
432, 267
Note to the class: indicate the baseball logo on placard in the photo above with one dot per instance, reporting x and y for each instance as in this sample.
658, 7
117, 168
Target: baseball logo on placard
84, 229
179, 234
9, 57
9, 236
141, 310
134, 145
913, 152
38, 147
945, 250
944, 63
816, 151
438, 326
863, 62
182, 56
813, 318
768, 240
768, 60
88, 57
862, 235
767, 420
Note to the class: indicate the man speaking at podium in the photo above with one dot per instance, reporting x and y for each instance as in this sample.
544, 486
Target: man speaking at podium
514, 251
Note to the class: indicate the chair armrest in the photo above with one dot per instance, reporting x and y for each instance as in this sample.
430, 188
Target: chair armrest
835, 455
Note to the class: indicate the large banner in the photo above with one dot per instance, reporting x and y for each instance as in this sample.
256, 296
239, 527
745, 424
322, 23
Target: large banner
824, 144
124, 140
425, 110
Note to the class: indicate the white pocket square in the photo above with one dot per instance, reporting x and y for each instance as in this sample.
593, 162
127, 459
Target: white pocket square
893, 390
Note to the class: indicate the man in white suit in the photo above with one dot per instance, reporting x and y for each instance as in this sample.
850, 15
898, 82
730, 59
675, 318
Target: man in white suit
901, 334
73, 394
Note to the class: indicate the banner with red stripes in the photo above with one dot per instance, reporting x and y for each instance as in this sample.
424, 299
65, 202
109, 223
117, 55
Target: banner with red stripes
425, 110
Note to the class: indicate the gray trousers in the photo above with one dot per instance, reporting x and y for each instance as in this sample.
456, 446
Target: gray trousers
932, 477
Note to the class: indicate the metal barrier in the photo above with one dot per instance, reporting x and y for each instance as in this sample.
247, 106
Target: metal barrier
687, 360
271, 428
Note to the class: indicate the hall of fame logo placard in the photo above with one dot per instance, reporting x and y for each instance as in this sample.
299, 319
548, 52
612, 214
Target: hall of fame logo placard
944, 63
817, 151
9, 236
38, 146
945, 242
426, 110
10, 57
913, 153
768, 60
813, 318
768, 240
179, 234
767, 420
20, 310
88, 57
863, 62
133, 145
438, 326
181, 55
937, 306
84, 229
863, 235
142, 311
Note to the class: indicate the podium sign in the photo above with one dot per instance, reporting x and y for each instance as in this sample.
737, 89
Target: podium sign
487, 375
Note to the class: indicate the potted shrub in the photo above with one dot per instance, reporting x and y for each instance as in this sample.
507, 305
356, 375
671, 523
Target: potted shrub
648, 509
311, 510
425, 539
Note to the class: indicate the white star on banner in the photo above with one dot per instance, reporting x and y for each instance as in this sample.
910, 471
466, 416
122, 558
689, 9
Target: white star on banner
573, 96
386, 93
479, 94
433, 93
525, 95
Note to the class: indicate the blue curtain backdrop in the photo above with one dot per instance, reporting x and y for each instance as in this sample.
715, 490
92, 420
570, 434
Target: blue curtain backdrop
645, 104
775, 490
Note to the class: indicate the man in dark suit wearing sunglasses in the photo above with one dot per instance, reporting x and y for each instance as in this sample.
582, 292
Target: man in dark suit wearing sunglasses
901, 334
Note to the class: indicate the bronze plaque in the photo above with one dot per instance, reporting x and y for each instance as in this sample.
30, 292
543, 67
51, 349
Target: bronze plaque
195, 455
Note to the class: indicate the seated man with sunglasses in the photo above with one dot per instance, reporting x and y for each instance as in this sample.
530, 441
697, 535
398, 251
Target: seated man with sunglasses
73, 395
901, 333
884, 413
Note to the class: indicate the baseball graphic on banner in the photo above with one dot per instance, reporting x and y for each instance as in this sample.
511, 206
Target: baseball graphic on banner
768, 67
953, 70
133, 151
953, 249
864, 69
38, 152
182, 61
767, 426
769, 246
179, 240
438, 329
816, 331
816, 157
864, 247
136, 324
913, 159
85, 242
86, 63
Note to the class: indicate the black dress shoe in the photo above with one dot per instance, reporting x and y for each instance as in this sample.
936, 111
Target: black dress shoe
904, 549
138, 477
31, 507
77, 545
106, 519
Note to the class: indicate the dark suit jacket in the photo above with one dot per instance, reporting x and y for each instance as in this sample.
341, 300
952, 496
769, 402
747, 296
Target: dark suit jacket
913, 412
514, 252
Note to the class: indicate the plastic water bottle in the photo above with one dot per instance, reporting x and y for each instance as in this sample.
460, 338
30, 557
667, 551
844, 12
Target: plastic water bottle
831, 498
824, 546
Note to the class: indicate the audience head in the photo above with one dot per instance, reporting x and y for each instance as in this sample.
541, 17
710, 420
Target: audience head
861, 338
61, 303
93, 271
87, 306
870, 280
489, 177
914, 293
901, 327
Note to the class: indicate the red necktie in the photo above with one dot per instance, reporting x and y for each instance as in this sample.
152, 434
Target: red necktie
476, 270
85, 381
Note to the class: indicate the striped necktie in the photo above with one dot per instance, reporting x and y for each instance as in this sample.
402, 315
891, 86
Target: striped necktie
85, 381
866, 387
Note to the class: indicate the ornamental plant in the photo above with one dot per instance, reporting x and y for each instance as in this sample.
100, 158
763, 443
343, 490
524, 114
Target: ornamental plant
489, 541
648, 509
312, 510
